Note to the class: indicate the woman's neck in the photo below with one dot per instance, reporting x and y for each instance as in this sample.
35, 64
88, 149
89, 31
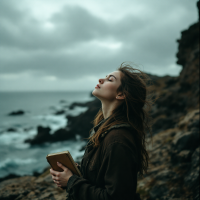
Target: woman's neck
107, 108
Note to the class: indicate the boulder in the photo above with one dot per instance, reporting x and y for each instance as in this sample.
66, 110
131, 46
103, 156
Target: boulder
15, 113
181, 157
11, 130
192, 176
62, 134
43, 135
82, 124
59, 112
187, 141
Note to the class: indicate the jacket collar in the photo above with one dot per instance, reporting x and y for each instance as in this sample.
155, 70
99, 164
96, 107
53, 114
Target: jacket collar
99, 124
94, 130
115, 127
106, 132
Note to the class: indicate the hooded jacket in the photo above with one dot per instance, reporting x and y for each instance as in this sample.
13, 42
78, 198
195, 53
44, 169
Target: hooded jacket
109, 172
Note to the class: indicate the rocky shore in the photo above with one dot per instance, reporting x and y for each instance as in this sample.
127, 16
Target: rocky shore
174, 156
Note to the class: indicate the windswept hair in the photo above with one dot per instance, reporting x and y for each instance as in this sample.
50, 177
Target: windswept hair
136, 87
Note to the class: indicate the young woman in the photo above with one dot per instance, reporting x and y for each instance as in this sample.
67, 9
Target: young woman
116, 150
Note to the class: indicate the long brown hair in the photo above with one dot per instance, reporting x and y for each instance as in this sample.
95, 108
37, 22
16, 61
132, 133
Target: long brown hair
134, 111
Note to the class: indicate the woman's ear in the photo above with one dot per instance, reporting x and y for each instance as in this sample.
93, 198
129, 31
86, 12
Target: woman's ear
120, 96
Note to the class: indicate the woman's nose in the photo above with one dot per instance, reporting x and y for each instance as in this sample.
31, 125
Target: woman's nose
101, 80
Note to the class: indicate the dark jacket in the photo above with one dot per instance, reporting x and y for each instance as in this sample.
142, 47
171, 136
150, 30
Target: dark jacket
110, 170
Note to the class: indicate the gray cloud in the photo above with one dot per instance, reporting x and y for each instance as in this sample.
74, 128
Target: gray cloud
81, 43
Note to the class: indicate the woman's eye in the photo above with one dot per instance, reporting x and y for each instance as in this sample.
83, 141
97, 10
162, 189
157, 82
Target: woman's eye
109, 80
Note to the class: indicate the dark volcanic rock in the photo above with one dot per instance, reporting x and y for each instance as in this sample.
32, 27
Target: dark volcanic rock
14, 113
163, 124
186, 141
79, 104
82, 123
11, 130
158, 191
62, 134
31, 187
59, 112
43, 135
192, 177
9, 177
193, 124
181, 157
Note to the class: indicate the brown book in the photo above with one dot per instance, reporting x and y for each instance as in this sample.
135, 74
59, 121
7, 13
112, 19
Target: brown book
65, 159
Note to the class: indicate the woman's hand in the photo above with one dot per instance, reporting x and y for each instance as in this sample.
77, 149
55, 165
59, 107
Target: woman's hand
61, 178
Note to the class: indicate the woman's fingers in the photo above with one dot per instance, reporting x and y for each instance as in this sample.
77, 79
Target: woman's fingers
57, 182
54, 177
53, 172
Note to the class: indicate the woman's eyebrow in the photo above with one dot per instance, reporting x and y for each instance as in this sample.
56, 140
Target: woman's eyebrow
112, 75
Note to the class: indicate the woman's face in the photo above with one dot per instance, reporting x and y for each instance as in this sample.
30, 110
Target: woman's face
107, 87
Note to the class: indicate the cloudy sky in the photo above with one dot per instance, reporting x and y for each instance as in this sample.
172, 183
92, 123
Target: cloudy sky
63, 45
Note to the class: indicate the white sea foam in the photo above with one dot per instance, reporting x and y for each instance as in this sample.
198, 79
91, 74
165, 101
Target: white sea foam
15, 139
53, 121
77, 110
16, 162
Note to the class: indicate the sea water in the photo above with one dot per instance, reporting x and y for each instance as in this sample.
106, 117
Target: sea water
20, 158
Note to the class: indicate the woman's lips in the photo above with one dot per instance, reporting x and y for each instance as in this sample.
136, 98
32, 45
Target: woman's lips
97, 86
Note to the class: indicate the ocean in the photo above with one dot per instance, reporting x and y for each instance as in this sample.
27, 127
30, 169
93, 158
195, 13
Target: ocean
20, 158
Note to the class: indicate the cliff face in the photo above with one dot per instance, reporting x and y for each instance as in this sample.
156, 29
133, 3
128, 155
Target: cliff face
174, 156
188, 57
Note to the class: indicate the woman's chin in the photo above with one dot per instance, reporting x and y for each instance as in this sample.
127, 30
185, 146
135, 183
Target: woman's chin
95, 93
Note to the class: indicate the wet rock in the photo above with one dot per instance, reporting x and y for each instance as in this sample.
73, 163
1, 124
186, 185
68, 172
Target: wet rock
192, 177
30, 187
164, 175
28, 129
181, 157
62, 134
15, 113
193, 124
59, 112
43, 135
11, 130
187, 141
80, 104
170, 82
9, 177
82, 124
158, 191
163, 124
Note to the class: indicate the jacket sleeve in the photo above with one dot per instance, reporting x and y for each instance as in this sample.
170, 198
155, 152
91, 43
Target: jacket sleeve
120, 177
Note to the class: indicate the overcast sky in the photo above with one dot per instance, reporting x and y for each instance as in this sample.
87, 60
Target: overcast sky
68, 45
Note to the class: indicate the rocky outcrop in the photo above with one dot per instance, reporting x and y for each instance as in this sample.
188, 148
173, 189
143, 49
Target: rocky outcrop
82, 123
15, 113
174, 157
43, 135
31, 187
